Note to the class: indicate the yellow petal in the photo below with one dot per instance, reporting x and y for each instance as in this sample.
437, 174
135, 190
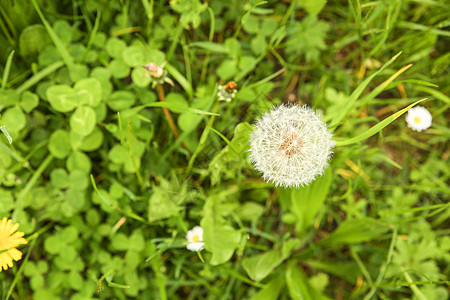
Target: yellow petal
15, 254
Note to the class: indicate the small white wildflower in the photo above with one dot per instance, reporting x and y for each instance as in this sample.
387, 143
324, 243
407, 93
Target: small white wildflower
157, 73
195, 239
290, 145
227, 92
418, 118
155, 70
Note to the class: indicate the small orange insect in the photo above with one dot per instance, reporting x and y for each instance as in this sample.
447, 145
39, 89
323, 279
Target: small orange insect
230, 86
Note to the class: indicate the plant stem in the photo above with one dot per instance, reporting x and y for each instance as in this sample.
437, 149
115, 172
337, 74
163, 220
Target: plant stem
203, 139
167, 113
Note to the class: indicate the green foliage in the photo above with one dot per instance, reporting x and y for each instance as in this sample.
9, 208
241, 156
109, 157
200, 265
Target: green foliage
106, 168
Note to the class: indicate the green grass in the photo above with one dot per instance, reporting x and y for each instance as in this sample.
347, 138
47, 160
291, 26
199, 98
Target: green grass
105, 190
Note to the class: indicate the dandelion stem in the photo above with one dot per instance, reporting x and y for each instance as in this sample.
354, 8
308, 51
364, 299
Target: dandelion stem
169, 118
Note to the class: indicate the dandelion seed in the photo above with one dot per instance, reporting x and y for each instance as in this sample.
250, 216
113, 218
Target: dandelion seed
9, 240
418, 118
195, 239
290, 145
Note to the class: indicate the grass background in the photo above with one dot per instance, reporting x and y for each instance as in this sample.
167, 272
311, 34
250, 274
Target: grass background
106, 193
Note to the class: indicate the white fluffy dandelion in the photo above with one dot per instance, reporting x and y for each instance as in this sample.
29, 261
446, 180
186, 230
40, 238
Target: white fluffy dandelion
195, 239
418, 118
291, 145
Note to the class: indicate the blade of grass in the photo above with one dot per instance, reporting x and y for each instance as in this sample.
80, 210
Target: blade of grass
435, 93
171, 106
30, 184
181, 79
358, 91
267, 79
7, 69
210, 38
107, 201
93, 34
377, 128
68, 60
224, 138
204, 136
19, 273
39, 76
420, 27
375, 92
384, 266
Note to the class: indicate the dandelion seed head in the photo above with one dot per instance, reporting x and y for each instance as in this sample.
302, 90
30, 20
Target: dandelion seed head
290, 145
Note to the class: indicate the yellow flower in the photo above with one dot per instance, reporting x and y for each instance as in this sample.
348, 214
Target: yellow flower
8, 243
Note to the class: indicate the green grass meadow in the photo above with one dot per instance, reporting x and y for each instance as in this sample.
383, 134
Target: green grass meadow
106, 167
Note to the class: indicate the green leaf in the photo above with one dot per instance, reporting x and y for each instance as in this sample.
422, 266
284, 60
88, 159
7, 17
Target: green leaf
356, 231
115, 47
118, 154
140, 77
250, 24
188, 121
6, 201
59, 178
298, 284
136, 241
120, 241
133, 56
78, 180
29, 101
86, 143
313, 7
250, 211
307, 201
227, 69
59, 144
119, 69
178, 100
272, 289
161, 206
83, 120
258, 44
8, 98
121, 100
221, 240
53, 244
92, 87
187, 86
14, 119
259, 266
33, 39
213, 47
307, 38
63, 98
93, 141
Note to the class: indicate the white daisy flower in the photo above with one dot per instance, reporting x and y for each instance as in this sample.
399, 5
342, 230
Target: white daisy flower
195, 239
291, 145
418, 118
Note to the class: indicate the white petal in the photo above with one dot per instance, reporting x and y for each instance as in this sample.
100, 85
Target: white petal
195, 246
